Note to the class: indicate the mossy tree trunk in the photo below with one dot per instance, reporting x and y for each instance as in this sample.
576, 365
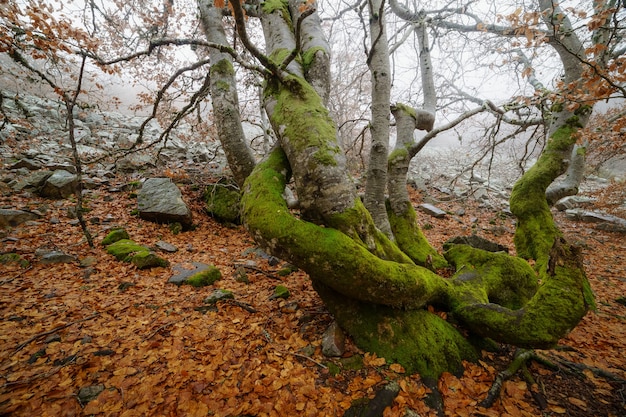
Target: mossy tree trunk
378, 289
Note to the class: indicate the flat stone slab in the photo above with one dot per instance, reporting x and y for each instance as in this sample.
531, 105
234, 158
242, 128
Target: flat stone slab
604, 221
432, 210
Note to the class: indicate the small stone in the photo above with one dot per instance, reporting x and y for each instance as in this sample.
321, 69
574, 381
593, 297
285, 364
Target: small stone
166, 247
432, 210
280, 292
89, 393
333, 341
56, 257
218, 295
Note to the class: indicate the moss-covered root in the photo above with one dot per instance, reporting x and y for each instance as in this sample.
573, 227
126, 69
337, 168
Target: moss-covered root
493, 277
327, 254
416, 339
411, 240
561, 301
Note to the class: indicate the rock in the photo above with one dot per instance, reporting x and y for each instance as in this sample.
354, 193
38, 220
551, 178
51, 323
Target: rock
58, 167
222, 202
148, 259
604, 221
614, 168
32, 182
61, 184
86, 394
11, 218
205, 277
333, 341
476, 242
218, 295
432, 210
160, 201
183, 273
56, 257
114, 236
280, 291
27, 163
573, 201
128, 251
375, 407
166, 247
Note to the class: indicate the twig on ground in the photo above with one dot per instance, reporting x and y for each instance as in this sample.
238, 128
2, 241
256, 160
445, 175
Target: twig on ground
6, 281
49, 332
268, 274
165, 326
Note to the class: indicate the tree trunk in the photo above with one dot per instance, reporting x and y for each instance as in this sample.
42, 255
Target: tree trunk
378, 62
376, 288
224, 96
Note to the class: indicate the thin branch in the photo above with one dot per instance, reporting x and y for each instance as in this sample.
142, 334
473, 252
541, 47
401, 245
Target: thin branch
240, 23
56, 329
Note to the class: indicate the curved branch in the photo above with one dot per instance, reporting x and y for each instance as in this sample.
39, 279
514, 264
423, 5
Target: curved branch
240, 22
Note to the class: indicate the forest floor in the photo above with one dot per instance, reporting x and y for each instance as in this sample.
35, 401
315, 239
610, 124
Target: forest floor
153, 352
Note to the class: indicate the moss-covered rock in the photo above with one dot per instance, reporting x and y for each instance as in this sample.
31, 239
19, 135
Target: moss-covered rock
144, 260
114, 236
204, 278
281, 292
9, 258
223, 202
127, 250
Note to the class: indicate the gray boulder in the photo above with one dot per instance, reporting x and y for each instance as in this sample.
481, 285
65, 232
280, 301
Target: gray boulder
32, 181
61, 184
160, 201
11, 218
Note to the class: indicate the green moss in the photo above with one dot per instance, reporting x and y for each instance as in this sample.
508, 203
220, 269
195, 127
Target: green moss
124, 249
280, 291
412, 241
222, 67
416, 339
271, 6
204, 278
128, 251
148, 259
309, 55
406, 109
398, 154
536, 230
327, 254
13, 258
325, 158
114, 236
223, 85
223, 202
556, 308
303, 120
175, 228
491, 277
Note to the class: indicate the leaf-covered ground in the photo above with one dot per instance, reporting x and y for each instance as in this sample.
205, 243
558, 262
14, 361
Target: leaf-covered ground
66, 327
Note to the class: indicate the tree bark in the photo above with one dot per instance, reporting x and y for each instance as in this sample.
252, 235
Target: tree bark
224, 96
378, 62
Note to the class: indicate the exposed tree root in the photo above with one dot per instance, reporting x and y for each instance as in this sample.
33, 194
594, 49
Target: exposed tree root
521, 359
577, 369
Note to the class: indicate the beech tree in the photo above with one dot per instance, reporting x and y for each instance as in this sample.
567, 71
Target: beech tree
367, 257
